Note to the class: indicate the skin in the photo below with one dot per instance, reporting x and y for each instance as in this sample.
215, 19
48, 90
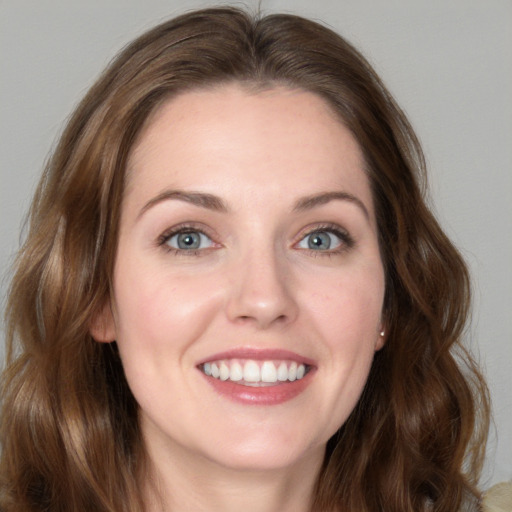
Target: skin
253, 283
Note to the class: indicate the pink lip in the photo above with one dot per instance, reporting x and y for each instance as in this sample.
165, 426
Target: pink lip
264, 395
268, 395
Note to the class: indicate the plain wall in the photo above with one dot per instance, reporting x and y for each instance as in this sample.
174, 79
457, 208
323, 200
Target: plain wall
449, 64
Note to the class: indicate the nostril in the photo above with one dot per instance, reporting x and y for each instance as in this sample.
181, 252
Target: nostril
246, 306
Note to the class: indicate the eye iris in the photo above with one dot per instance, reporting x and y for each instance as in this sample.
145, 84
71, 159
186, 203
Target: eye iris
189, 240
319, 240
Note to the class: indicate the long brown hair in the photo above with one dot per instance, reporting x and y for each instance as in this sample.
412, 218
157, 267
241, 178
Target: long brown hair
69, 428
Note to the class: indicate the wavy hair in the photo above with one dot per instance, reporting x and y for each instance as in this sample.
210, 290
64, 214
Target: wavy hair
69, 425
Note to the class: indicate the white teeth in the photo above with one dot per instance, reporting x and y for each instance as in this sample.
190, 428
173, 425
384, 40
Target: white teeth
282, 372
236, 373
224, 371
252, 372
292, 372
268, 372
255, 372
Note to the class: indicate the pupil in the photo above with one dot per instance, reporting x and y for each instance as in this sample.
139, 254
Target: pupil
188, 241
320, 241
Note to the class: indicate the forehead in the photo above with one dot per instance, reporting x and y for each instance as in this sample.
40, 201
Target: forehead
237, 138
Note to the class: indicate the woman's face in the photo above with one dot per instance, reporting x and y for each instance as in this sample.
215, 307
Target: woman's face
248, 285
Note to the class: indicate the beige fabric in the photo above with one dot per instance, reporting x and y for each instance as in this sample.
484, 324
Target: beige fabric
498, 498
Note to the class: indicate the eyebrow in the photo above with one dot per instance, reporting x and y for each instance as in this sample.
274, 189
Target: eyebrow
208, 201
215, 203
310, 202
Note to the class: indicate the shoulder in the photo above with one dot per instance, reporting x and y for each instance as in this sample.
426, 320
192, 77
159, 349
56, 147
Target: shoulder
498, 498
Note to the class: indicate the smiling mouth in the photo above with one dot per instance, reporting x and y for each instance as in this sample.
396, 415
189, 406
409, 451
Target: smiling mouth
255, 373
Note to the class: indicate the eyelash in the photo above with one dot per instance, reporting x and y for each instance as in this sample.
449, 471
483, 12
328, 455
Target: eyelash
347, 242
183, 229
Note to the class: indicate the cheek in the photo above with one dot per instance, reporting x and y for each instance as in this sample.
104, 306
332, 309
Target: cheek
349, 307
157, 309
347, 317
351, 335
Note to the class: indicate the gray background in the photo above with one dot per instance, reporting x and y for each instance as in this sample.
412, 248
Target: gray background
449, 64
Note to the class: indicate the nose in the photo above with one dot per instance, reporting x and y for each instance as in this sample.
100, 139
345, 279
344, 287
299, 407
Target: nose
262, 292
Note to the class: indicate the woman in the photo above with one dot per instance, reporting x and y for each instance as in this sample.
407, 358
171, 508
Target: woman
233, 295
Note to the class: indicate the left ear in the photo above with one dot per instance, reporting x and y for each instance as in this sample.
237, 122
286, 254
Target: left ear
102, 326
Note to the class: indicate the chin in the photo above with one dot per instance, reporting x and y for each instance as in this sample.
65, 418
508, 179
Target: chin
265, 453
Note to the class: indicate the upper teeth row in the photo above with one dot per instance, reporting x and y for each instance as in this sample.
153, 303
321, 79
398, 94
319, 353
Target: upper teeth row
253, 371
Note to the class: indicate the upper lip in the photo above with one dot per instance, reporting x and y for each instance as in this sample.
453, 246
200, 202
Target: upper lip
258, 354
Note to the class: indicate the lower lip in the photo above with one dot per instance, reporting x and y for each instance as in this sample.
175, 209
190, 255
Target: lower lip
261, 395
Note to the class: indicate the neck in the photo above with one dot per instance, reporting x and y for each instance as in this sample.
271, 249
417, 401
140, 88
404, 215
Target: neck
179, 482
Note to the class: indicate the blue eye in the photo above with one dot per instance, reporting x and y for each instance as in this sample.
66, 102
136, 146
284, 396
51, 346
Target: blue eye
189, 241
321, 240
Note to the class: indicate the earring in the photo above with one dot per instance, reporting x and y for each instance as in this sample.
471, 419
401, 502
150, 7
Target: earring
382, 333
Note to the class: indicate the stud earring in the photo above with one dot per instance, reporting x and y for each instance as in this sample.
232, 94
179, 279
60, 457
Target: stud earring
382, 333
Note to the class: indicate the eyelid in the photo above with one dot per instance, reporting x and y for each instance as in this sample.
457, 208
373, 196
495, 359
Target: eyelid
346, 239
344, 236
184, 227
202, 239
